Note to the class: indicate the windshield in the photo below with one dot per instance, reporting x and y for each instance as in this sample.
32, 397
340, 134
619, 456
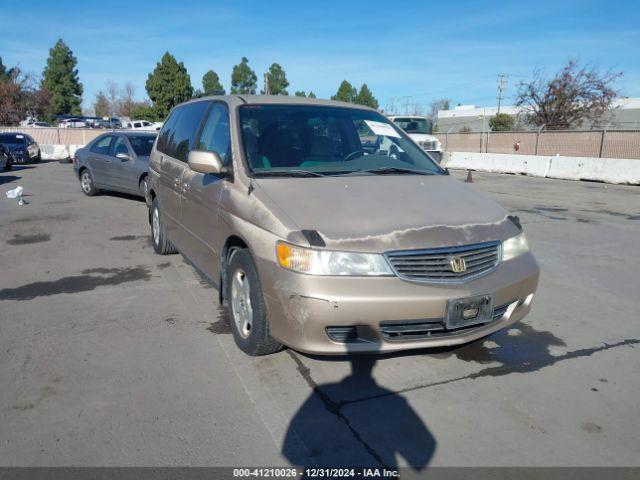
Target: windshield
304, 139
11, 139
142, 144
413, 124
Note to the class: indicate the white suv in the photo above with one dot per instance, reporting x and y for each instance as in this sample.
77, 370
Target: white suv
417, 128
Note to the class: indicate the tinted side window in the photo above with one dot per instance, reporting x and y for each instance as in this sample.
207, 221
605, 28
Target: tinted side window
184, 133
167, 129
102, 145
215, 133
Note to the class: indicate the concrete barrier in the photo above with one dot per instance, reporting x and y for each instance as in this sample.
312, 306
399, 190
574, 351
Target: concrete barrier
54, 152
609, 170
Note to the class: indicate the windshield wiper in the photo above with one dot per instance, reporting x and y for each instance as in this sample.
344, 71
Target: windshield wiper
386, 170
288, 173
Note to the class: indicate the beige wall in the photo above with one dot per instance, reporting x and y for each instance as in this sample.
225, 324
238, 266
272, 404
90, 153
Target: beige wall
61, 136
615, 144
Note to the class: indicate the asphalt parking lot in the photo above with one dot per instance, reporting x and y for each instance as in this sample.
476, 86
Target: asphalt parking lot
112, 355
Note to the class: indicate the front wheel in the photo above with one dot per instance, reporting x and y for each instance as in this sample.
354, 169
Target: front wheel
248, 316
9, 165
86, 182
38, 157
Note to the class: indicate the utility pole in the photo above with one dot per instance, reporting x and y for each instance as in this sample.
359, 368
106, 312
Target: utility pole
266, 84
502, 83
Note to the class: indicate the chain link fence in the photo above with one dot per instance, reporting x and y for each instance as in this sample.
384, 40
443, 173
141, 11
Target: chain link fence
571, 143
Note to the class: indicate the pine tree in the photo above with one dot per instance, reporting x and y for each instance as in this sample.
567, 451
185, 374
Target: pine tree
101, 105
346, 93
211, 84
168, 85
277, 80
60, 79
300, 93
365, 97
243, 79
311, 95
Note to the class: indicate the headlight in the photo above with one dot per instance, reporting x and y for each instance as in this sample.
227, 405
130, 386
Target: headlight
514, 246
323, 262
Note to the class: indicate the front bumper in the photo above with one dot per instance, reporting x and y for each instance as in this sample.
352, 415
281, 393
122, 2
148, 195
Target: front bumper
300, 308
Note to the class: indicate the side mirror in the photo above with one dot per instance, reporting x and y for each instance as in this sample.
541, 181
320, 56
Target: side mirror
123, 156
205, 162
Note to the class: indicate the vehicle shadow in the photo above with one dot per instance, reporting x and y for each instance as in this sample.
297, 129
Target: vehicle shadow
355, 423
8, 179
17, 168
125, 196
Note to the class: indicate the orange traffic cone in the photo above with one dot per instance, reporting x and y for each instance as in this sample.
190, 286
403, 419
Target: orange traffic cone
469, 177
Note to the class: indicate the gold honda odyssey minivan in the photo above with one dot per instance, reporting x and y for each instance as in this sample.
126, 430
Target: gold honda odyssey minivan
325, 228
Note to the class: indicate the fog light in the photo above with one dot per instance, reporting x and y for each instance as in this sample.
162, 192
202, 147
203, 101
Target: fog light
343, 334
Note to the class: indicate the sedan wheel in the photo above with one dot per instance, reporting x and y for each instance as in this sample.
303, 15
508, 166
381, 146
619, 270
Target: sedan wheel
86, 182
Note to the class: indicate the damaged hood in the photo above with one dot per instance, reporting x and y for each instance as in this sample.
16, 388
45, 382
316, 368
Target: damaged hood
388, 212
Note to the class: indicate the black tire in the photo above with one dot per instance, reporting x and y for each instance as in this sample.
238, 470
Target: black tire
86, 183
256, 341
161, 244
9, 165
39, 157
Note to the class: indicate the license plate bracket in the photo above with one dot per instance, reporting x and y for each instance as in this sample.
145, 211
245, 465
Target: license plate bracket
464, 312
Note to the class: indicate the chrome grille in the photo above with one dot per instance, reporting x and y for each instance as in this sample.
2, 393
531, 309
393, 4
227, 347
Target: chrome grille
428, 145
435, 265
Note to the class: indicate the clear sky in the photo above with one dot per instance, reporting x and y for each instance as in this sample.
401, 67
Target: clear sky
421, 49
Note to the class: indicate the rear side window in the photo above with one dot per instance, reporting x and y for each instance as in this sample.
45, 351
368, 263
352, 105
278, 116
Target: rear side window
120, 147
215, 133
183, 134
102, 145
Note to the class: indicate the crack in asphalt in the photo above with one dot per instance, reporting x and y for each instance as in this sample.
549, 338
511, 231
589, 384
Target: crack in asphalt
334, 407
508, 369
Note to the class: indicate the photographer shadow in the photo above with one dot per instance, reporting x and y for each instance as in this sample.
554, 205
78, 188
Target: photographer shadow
356, 423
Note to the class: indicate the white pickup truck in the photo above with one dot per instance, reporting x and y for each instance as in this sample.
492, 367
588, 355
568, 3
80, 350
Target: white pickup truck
142, 125
418, 129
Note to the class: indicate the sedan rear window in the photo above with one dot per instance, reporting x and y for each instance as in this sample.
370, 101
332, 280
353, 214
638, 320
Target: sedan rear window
142, 144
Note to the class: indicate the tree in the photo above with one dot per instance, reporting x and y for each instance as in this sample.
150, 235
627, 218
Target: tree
5, 73
19, 97
311, 95
211, 84
60, 79
575, 94
101, 105
501, 122
144, 111
365, 97
168, 85
243, 79
346, 93
300, 93
127, 102
435, 106
277, 82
